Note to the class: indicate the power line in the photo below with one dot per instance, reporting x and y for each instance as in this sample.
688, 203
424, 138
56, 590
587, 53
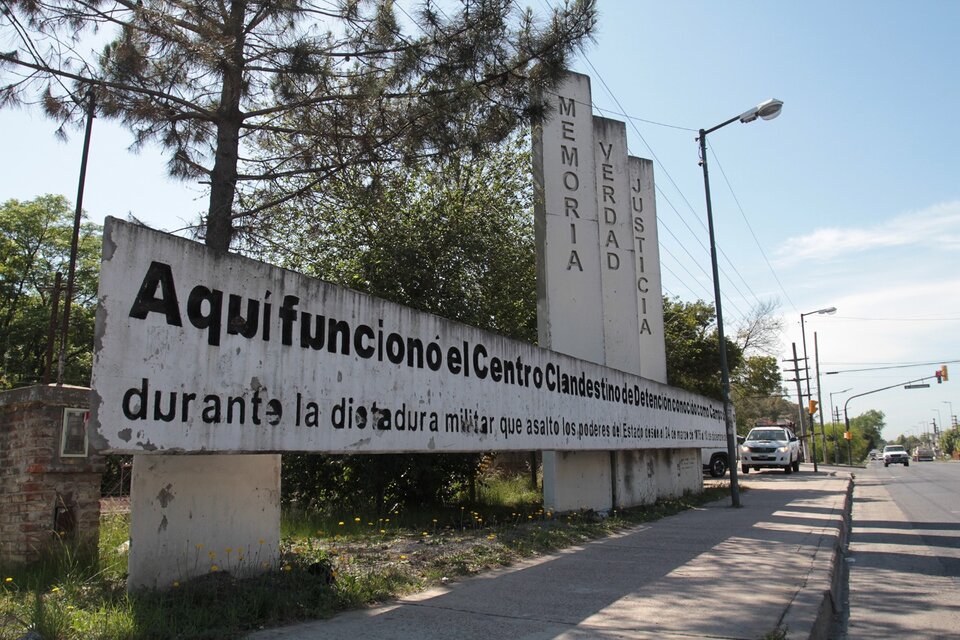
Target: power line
675, 186
895, 366
897, 319
752, 233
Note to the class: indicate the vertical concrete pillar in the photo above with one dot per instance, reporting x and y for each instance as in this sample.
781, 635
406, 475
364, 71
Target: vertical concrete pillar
569, 293
192, 515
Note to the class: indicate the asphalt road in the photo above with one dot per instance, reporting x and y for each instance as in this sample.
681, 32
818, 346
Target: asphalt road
904, 558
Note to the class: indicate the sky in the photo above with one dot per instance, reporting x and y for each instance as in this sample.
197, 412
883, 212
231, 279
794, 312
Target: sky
849, 199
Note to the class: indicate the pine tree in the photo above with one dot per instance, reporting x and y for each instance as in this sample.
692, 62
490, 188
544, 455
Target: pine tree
318, 85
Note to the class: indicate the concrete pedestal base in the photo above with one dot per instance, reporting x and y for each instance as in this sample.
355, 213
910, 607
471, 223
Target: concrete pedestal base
602, 480
191, 515
574, 480
645, 475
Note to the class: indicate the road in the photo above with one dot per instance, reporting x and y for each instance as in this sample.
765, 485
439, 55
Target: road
904, 556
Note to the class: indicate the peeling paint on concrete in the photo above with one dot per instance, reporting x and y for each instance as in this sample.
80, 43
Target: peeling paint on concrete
229, 372
166, 496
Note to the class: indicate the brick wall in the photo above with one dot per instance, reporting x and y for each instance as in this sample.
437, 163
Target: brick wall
41, 491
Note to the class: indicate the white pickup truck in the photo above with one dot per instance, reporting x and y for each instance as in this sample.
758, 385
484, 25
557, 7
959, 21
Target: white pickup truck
770, 447
715, 461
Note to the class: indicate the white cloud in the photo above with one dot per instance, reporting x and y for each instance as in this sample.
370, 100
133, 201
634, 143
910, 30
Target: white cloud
936, 224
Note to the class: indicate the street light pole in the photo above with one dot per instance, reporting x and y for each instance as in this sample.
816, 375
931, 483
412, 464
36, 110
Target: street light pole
951, 416
909, 384
933, 444
766, 110
836, 441
806, 369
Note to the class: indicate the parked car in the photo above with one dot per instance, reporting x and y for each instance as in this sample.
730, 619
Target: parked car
923, 454
770, 447
895, 454
874, 454
715, 459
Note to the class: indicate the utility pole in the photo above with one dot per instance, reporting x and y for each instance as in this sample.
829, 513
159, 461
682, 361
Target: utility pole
823, 430
75, 238
803, 423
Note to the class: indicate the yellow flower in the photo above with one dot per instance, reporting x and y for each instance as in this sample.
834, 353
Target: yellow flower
261, 540
424, 533
8, 580
383, 530
403, 557
340, 523
55, 590
287, 567
214, 568
356, 519
212, 554
199, 546
491, 537
176, 584
229, 550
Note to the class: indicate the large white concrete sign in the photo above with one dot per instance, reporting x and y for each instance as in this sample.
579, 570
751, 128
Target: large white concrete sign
198, 351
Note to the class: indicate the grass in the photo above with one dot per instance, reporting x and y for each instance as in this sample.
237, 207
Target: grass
329, 564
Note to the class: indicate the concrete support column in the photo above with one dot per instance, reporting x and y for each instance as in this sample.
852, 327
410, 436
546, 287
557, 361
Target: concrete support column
196, 514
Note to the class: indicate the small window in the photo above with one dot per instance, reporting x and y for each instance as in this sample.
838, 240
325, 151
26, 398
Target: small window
73, 438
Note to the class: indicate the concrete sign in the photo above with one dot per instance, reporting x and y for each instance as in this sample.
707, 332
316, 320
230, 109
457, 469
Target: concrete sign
643, 210
199, 351
569, 294
618, 275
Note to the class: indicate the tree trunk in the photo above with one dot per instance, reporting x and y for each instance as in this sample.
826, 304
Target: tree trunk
223, 176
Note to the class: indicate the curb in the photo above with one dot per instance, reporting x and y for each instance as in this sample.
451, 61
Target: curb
811, 614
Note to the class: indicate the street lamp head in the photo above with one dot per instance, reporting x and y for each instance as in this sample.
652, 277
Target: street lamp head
827, 311
767, 110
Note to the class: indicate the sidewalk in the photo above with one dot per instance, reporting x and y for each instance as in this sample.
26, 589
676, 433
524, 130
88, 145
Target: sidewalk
713, 572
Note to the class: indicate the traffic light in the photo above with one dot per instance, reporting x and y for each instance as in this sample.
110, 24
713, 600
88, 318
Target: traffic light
943, 372
812, 407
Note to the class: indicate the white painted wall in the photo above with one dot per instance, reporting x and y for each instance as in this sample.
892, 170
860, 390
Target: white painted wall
174, 372
648, 474
183, 508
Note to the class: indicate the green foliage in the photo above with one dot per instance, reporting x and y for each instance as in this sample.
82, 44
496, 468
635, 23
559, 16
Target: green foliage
865, 430
375, 483
693, 352
34, 245
754, 391
452, 236
950, 441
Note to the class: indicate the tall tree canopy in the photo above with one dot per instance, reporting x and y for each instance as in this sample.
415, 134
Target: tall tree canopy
693, 352
693, 359
34, 244
318, 85
453, 236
